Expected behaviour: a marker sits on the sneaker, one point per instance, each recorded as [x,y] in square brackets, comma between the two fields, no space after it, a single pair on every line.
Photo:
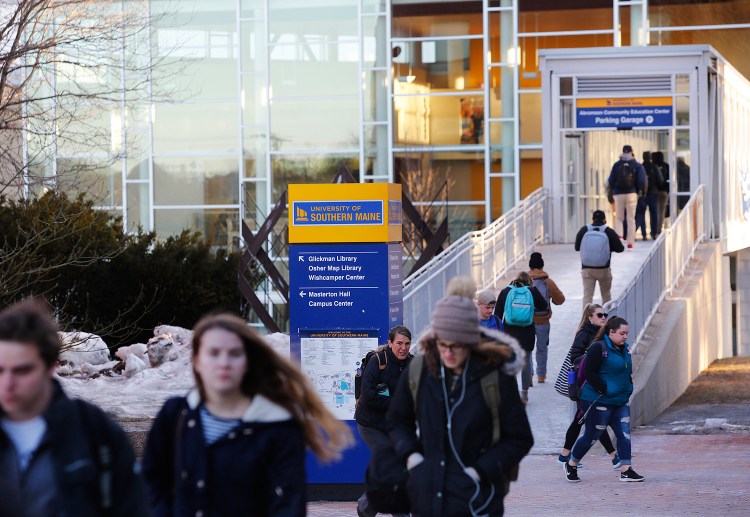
[629,476]
[616,463]
[564,459]
[541,378]
[525,396]
[571,473]
[630,246]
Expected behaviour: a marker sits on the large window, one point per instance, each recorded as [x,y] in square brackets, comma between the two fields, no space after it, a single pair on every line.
[196,181]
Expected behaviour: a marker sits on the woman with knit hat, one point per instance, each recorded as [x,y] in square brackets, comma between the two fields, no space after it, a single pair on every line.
[459,451]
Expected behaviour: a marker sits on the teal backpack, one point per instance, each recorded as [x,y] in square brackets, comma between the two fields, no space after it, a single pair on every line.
[519,307]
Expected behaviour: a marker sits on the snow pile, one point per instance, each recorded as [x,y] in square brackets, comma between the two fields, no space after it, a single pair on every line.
[711,425]
[136,386]
[81,347]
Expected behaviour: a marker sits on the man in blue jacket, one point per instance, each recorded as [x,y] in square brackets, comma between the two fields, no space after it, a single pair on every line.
[626,179]
[379,381]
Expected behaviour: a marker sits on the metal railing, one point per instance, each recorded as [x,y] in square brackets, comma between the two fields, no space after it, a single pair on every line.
[486,255]
[662,269]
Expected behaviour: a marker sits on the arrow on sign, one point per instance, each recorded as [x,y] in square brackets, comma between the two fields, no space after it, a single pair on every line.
[301,258]
[302,294]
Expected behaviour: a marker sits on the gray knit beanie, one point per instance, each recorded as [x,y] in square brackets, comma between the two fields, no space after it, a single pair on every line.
[455,317]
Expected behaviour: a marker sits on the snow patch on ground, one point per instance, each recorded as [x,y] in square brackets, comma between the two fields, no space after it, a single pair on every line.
[710,425]
[131,388]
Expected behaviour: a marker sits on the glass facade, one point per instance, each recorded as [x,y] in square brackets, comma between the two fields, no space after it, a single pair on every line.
[247,96]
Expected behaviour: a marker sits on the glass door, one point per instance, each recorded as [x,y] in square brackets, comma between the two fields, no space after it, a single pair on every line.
[572,178]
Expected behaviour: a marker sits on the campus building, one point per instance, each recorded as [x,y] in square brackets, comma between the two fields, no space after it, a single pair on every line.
[251,95]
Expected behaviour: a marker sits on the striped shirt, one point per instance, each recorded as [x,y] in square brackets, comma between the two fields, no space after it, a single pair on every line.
[215,427]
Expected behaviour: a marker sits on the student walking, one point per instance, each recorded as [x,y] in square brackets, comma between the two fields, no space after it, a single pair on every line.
[235,445]
[596,242]
[605,396]
[525,331]
[626,180]
[592,320]
[461,443]
[58,456]
[379,382]
[486,310]
[551,294]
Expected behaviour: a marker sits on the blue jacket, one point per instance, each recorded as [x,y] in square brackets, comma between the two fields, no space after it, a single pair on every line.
[640,179]
[258,469]
[610,376]
[372,407]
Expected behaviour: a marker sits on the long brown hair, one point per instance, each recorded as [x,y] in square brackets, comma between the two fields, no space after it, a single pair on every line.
[277,379]
[613,323]
[588,311]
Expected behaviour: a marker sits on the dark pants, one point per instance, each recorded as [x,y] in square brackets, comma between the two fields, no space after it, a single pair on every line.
[374,438]
[640,216]
[652,203]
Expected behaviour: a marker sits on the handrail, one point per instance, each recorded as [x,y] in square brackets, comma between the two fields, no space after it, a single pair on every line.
[663,268]
[486,255]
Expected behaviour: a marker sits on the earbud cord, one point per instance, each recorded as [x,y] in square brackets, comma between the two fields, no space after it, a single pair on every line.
[449,413]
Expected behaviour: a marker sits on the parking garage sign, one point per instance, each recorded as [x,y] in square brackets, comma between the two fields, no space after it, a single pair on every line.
[634,112]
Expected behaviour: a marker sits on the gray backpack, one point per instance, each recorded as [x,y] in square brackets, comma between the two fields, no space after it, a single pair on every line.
[595,250]
[541,286]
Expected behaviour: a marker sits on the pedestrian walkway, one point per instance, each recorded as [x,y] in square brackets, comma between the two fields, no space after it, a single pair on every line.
[685,474]
[548,411]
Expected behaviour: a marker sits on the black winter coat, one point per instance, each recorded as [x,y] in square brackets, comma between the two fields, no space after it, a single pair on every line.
[372,408]
[438,486]
[65,466]
[526,336]
[258,469]
[582,341]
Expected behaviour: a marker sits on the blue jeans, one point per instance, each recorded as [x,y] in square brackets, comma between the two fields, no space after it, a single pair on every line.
[542,342]
[597,419]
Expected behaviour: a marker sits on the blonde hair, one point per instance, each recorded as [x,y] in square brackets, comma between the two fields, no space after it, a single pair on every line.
[277,379]
[523,278]
[588,311]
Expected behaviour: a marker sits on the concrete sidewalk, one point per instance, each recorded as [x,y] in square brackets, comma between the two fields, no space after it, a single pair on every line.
[685,474]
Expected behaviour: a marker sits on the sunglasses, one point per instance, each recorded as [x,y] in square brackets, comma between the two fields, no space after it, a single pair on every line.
[601,314]
[454,347]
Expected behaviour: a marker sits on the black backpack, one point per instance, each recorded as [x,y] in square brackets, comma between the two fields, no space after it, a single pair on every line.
[655,178]
[382,358]
[625,177]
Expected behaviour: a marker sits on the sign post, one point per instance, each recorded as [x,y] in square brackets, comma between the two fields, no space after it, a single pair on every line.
[345,292]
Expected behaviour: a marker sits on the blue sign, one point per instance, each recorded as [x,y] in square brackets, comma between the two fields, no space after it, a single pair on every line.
[335,213]
[343,299]
[624,117]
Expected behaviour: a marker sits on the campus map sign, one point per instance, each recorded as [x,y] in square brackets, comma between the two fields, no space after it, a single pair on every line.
[345,293]
[639,112]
